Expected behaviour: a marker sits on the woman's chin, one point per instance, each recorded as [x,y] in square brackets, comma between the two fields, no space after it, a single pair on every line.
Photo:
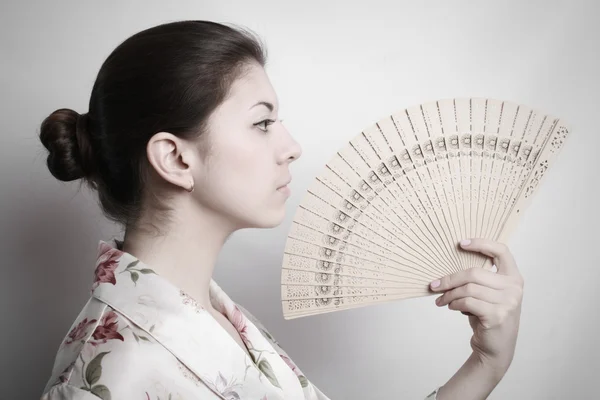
[271,219]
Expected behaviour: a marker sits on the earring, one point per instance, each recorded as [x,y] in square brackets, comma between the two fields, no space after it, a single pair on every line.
[191,189]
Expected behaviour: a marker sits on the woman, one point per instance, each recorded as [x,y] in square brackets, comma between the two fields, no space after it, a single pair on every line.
[183,144]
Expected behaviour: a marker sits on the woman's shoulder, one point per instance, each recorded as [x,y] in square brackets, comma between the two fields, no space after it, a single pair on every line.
[75,340]
[107,355]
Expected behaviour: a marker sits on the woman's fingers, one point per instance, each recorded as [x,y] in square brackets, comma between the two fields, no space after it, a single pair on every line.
[479,308]
[474,290]
[472,275]
[508,273]
[503,258]
[481,292]
[489,315]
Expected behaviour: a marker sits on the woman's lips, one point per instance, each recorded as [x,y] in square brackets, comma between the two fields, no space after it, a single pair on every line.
[285,190]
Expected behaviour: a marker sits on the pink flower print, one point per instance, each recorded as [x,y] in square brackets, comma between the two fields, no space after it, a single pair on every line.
[107,262]
[107,329]
[78,332]
[238,320]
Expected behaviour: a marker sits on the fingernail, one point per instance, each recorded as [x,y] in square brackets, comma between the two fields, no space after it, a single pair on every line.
[435,284]
[465,242]
[438,300]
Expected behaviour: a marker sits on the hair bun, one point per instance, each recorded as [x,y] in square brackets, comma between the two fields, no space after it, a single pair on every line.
[64,134]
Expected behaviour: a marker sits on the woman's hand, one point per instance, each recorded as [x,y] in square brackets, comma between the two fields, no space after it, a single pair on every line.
[491,299]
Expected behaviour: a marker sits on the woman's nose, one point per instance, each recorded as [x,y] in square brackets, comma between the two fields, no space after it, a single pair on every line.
[295,151]
[292,149]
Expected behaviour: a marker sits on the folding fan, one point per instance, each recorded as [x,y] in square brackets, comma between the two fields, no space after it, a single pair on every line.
[384,216]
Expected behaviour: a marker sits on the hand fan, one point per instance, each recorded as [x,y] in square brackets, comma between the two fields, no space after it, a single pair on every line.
[384,216]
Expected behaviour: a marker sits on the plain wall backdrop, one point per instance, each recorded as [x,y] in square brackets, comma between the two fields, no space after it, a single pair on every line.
[337,66]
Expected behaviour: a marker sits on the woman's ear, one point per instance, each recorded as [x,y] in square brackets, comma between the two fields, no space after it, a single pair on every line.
[172,158]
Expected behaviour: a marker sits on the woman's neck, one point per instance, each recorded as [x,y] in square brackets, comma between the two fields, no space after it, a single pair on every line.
[185,254]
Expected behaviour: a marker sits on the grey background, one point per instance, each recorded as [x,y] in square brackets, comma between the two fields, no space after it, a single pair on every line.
[337,68]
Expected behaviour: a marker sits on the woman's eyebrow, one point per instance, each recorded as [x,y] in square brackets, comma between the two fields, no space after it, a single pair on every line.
[264,103]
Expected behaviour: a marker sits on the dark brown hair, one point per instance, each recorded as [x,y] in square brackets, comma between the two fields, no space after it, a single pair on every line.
[167,78]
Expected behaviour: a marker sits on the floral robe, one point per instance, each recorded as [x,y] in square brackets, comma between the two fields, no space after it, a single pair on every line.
[140,337]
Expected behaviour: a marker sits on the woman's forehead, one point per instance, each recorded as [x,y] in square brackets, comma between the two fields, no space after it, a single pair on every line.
[252,89]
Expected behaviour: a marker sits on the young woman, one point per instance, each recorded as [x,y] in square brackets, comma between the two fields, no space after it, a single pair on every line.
[183,144]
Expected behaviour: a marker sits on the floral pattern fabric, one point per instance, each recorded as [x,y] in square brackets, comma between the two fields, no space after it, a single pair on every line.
[140,337]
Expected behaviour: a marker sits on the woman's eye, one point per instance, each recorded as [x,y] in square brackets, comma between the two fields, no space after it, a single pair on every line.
[264,124]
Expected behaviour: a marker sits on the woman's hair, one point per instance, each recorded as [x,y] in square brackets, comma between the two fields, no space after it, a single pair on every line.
[167,78]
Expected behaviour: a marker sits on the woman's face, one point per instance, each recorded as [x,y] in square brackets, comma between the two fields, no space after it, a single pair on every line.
[246,169]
